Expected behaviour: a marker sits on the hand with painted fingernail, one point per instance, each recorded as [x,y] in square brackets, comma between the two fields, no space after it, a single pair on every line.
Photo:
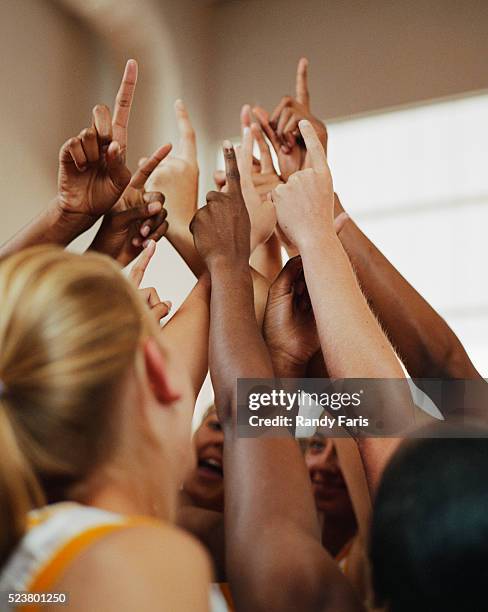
[159,308]
[137,218]
[92,170]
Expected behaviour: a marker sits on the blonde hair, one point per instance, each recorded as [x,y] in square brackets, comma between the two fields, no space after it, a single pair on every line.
[70,328]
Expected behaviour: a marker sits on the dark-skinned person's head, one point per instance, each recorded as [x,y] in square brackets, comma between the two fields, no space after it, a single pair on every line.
[205,483]
[429,533]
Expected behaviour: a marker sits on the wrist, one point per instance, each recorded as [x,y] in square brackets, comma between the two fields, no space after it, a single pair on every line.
[321,237]
[65,225]
[224,266]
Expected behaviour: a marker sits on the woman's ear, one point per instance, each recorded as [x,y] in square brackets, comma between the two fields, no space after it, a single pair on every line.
[157,372]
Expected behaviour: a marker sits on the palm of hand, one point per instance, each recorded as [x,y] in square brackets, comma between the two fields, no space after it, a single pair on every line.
[265,183]
[290,329]
[291,162]
[261,213]
[177,178]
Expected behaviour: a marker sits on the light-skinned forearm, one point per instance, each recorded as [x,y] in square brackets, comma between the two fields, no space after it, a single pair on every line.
[188,330]
[353,343]
[266,258]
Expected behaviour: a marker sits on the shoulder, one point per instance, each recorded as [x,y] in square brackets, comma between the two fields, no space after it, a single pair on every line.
[140,567]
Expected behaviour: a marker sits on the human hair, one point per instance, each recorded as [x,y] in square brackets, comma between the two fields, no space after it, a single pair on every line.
[69,331]
[429,531]
[208,411]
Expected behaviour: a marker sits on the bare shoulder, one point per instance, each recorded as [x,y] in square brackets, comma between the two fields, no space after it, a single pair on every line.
[148,566]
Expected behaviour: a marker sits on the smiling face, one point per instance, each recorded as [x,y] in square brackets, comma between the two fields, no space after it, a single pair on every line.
[329,487]
[205,484]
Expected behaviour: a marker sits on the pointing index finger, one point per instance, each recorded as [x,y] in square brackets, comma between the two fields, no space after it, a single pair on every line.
[137,272]
[231,168]
[123,103]
[314,146]
[302,82]
[187,147]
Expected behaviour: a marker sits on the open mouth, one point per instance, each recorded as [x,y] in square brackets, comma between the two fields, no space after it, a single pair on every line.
[210,468]
[331,485]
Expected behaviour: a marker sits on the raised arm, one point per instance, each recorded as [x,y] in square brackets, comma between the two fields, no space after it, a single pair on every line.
[281,127]
[188,330]
[426,344]
[268,497]
[352,341]
[92,176]
[177,178]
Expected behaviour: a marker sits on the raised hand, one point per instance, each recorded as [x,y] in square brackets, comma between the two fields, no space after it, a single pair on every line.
[281,126]
[305,204]
[92,172]
[158,308]
[289,325]
[261,211]
[222,229]
[177,178]
[119,234]
[264,175]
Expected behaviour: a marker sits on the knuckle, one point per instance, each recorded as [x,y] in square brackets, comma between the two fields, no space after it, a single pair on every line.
[123,100]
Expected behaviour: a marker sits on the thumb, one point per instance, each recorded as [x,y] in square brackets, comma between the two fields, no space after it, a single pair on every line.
[340,221]
[117,170]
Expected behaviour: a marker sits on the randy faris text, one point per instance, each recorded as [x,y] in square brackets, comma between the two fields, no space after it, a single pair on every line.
[303,421]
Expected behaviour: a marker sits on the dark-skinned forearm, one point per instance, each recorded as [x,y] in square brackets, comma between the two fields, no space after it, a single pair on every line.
[51,226]
[252,465]
[427,345]
[234,332]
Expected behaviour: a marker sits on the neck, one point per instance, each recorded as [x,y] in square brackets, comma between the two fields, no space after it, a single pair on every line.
[127,496]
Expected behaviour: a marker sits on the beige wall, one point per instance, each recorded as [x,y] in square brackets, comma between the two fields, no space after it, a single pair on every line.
[60,57]
[47,59]
[365,54]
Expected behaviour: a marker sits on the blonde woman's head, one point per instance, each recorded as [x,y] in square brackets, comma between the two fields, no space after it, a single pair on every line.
[86,385]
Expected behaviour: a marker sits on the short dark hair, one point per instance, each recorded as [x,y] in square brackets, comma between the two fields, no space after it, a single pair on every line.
[429,534]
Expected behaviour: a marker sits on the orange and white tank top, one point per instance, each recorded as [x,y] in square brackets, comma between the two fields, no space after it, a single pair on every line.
[56,535]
